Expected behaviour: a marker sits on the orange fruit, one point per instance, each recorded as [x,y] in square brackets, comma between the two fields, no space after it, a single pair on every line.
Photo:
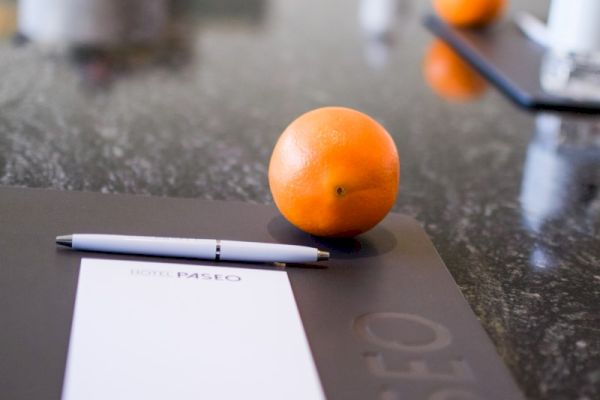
[8,19]
[334,172]
[469,13]
[449,76]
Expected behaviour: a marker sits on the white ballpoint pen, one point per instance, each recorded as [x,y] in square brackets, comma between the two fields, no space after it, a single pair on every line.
[207,249]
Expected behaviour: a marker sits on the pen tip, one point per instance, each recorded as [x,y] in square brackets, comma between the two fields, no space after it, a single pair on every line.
[322,255]
[66,240]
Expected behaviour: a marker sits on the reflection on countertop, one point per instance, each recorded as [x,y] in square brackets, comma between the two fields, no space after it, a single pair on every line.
[562,170]
[508,197]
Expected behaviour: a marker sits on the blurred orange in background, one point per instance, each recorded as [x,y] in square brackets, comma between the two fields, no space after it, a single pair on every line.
[469,13]
[8,18]
[449,75]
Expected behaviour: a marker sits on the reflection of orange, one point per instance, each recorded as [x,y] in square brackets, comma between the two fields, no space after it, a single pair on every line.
[334,172]
[468,13]
[8,19]
[449,76]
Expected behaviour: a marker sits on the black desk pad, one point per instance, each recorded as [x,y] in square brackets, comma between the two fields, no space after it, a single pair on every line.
[383,317]
[509,60]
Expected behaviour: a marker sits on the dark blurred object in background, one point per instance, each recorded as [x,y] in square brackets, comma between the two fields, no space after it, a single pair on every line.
[108,38]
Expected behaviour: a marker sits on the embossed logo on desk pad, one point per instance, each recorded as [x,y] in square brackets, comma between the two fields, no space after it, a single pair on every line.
[400,325]
[384,319]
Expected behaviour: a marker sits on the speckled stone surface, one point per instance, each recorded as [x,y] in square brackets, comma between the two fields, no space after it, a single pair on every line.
[510,198]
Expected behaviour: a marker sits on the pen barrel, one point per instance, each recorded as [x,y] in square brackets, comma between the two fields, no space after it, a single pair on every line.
[147,245]
[232,250]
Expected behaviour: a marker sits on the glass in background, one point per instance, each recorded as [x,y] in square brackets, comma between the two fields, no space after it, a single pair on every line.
[571,67]
[381,22]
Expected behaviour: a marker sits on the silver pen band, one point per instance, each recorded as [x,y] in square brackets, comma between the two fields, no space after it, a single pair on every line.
[218,250]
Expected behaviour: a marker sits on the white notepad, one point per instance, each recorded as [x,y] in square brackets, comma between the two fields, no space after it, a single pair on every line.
[169,331]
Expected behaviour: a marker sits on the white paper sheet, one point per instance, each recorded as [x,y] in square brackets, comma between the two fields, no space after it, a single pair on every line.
[169,331]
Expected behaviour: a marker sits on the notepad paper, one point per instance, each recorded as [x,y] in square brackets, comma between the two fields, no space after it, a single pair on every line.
[169,331]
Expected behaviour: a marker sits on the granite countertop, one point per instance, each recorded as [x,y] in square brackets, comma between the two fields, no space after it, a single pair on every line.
[510,198]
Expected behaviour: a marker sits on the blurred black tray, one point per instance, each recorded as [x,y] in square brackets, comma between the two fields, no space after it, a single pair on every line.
[510,61]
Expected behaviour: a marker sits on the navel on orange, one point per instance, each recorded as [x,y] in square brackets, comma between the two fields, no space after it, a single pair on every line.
[469,13]
[334,172]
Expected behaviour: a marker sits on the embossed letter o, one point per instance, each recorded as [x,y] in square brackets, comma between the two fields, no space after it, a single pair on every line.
[362,326]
